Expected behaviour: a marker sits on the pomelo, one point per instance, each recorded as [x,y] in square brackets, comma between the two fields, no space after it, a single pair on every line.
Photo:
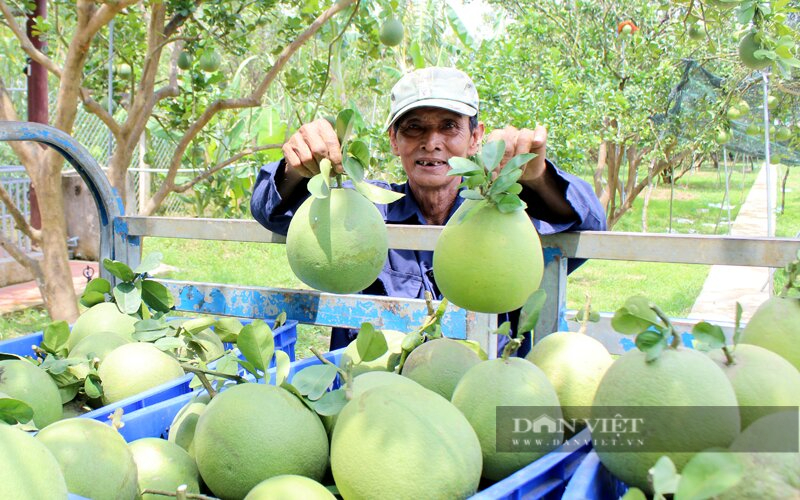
[402,441]
[439,364]
[289,487]
[762,381]
[506,382]
[391,32]
[368,380]
[488,262]
[337,244]
[134,368]
[20,379]
[181,430]
[574,363]
[774,326]
[667,385]
[251,432]
[94,458]
[162,465]
[103,317]
[97,345]
[184,60]
[387,362]
[210,61]
[748,46]
[27,468]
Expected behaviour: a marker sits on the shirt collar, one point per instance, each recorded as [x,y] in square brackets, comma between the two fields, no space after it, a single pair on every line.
[406,209]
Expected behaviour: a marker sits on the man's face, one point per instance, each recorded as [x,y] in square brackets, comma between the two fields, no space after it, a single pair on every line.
[426,138]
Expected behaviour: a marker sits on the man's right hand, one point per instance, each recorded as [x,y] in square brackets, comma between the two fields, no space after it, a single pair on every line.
[309,145]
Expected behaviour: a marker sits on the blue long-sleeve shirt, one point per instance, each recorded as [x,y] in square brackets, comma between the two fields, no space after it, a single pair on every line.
[409,273]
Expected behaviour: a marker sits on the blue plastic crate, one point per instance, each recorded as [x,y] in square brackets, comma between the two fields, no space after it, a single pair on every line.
[592,481]
[285,340]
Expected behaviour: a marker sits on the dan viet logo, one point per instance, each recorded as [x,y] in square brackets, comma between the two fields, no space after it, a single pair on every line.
[546,430]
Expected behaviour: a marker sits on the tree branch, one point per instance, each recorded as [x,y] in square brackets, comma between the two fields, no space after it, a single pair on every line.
[19,218]
[18,255]
[219,166]
[25,42]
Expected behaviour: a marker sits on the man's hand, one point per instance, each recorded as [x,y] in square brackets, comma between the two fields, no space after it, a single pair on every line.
[519,141]
[309,145]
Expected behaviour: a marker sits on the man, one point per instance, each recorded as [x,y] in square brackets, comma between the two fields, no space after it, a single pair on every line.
[433,117]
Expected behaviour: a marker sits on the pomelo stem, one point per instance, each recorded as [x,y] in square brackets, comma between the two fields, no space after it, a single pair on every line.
[175,494]
[728,356]
[511,348]
[325,361]
[676,339]
[586,310]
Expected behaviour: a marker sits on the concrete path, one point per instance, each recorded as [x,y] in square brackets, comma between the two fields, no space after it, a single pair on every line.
[726,285]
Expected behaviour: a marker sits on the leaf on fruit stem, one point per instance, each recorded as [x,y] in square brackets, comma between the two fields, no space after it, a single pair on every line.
[635,316]
[464,167]
[516,163]
[282,367]
[353,168]
[664,477]
[54,338]
[149,262]
[529,315]
[491,154]
[510,203]
[708,336]
[370,343]
[157,296]
[13,411]
[359,151]
[318,187]
[470,194]
[119,269]
[377,194]
[257,344]
[325,167]
[344,124]
[708,474]
[331,403]
[315,380]
[128,297]
[651,343]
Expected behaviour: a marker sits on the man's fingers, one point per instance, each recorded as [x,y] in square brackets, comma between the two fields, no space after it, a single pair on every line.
[299,157]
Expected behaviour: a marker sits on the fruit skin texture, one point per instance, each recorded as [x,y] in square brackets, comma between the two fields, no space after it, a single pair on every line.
[439,364]
[210,61]
[404,442]
[162,465]
[387,362]
[391,32]
[103,317]
[337,244]
[289,487]
[134,368]
[747,48]
[767,474]
[510,382]
[774,326]
[761,379]
[491,262]
[94,458]
[27,382]
[681,377]
[100,344]
[27,468]
[251,432]
[574,363]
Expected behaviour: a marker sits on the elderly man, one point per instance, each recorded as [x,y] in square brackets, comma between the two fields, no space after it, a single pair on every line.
[433,117]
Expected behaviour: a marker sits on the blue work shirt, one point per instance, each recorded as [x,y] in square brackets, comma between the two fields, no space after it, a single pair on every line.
[409,273]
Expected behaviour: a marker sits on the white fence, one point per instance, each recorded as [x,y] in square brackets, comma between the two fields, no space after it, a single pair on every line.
[16,182]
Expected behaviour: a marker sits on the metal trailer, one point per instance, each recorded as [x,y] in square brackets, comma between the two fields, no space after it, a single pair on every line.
[121,235]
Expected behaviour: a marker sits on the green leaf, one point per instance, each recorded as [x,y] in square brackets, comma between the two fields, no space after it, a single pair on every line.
[325,168]
[634,494]
[473,210]
[371,343]
[509,203]
[149,262]
[709,474]
[93,387]
[227,329]
[280,320]
[257,344]
[128,297]
[504,329]
[360,151]
[651,343]
[98,285]
[491,154]
[416,55]
[745,14]
[197,325]
[354,168]
[469,194]
[282,366]
[250,368]
[377,194]
[318,187]
[13,411]
[314,380]
[55,336]
[149,330]
[459,27]
[502,183]
[344,124]
[119,269]
[473,181]
[635,316]
[664,476]
[516,163]
[463,166]
[90,299]
[331,403]
[709,336]
[529,315]
[169,343]
[157,296]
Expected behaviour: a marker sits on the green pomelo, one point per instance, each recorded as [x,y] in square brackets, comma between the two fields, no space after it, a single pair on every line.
[181,430]
[391,32]
[103,317]
[208,346]
[289,487]
[768,474]
[27,468]
[94,458]
[783,133]
[776,326]
[574,363]
[696,31]
[368,380]
[762,381]
[489,261]
[677,379]
[337,244]
[723,4]
[439,364]
[251,432]
[387,362]
[27,382]
[184,60]
[506,382]
[164,466]
[401,441]
[98,345]
[752,129]
[210,61]
[747,52]
[134,368]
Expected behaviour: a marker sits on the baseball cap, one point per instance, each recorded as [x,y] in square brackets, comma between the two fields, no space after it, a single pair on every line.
[438,87]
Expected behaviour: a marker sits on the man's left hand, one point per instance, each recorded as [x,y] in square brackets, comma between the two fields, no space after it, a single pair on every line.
[519,141]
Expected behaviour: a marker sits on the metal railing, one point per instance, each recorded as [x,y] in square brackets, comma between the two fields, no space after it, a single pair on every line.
[15,181]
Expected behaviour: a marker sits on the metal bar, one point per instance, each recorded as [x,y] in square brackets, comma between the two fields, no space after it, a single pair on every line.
[641,247]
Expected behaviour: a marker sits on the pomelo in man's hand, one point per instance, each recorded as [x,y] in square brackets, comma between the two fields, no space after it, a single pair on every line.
[337,244]
[488,261]
[134,368]
[20,379]
[776,326]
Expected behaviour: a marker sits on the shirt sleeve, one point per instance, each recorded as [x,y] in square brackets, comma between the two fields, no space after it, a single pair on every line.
[267,205]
